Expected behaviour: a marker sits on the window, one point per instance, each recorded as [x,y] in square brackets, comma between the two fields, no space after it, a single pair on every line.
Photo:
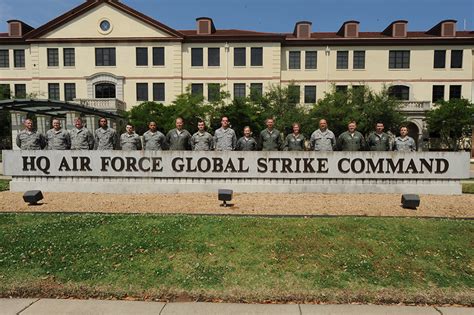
[359,59]
[294,60]
[142,92]
[158,92]
[196,57]
[53,57]
[256,91]
[20,90]
[439,59]
[399,59]
[4,58]
[239,90]
[454,91]
[456,59]
[19,58]
[105,57]
[311,60]
[105,90]
[294,94]
[142,56]
[53,91]
[239,57]
[197,89]
[213,92]
[438,93]
[69,56]
[69,91]
[342,59]
[399,92]
[310,94]
[256,56]
[341,89]
[213,57]
[5,92]
[158,56]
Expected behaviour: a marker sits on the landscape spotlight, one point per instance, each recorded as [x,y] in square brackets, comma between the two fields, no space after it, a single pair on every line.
[32,197]
[225,195]
[410,201]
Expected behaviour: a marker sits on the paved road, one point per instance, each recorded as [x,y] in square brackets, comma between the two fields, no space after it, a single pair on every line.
[50,307]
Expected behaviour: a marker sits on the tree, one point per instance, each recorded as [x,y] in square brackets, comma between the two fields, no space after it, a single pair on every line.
[5,121]
[452,120]
[282,103]
[142,114]
[361,105]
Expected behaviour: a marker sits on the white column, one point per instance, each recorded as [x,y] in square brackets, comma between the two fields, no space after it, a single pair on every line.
[91,122]
[18,118]
[43,123]
[70,117]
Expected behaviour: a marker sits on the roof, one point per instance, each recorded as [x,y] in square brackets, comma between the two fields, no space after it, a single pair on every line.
[89,5]
[237,35]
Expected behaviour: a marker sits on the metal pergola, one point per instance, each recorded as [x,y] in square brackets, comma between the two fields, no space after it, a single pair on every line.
[53,108]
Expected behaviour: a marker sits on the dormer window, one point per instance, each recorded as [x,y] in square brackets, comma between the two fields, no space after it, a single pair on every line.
[205,26]
[397,29]
[446,28]
[349,29]
[303,30]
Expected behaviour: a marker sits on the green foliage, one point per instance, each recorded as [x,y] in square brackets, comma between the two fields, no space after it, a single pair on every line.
[468,188]
[4,184]
[142,114]
[234,257]
[282,103]
[360,104]
[452,120]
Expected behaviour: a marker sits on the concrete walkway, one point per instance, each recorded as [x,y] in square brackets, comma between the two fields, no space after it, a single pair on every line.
[50,306]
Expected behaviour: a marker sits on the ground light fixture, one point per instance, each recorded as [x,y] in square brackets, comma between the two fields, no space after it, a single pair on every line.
[225,195]
[32,197]
[410,201]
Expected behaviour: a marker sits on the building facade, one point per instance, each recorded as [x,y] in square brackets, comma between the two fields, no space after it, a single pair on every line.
[110,56]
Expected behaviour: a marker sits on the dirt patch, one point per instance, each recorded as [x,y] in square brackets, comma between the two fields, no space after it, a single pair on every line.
[246,204]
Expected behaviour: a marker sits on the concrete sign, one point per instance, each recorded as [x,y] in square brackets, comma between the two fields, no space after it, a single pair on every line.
[178,167]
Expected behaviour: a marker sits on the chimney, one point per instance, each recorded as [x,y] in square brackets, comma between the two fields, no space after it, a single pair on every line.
[349,29]
[205,26]
[302,30]
[396,29]
[446,28]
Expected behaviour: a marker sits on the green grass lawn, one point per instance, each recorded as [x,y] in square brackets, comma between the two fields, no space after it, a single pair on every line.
[379,260]
[4,184]
[467,188]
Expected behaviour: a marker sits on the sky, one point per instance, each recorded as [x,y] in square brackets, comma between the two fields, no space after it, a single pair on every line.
[277,16]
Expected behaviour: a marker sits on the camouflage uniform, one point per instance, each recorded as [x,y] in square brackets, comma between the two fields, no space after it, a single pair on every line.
[202,141]
[270,140]
[406,144]
[105,139]
[293,143]
[30,140]
[323,140]
[154,140]
[58,139]
[378,142]
[130,142]
[246,144]
[225,139]
[351,142]
[178,140]
[81,139]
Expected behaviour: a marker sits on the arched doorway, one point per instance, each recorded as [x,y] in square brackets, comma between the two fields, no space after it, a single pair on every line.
[414,132]
[105,90]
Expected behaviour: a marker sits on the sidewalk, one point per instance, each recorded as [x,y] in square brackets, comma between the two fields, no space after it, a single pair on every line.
[50,306]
